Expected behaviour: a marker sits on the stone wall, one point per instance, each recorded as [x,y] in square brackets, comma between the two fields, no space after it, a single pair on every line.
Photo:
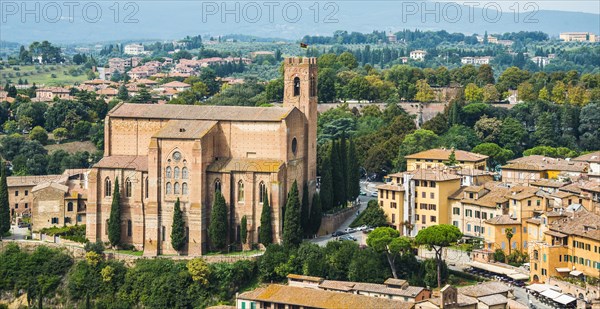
[332,222]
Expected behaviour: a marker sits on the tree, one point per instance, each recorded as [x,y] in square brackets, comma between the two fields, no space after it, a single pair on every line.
[315,214]
[509,236]
[39,134]
[199,270]
[499,255]
[424,92]
[490,94]
[497,155]
[326,187]
[123,93]
[452,159]
[292,229]
[177,228]
[305,212]
[343,156]
[114,221]
[60,134]
[473,93]
[388,241]
[526,92]
[266,230]
[353,178]
[348,60]
[337,175]
[435,238]
[488,129]
[589,127]
[559,93]
[417,141]
[4,207]
[512,135]
[374,215]
[218,227]
[244,229]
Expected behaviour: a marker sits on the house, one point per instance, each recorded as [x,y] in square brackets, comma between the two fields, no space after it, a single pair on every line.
[47,94]
[578,37]
[532,168]
[540,61]
[488,295]
[593,159]
[134,49]
[476,60]
[418,54]
[20,198]
[175,85]
[438,157]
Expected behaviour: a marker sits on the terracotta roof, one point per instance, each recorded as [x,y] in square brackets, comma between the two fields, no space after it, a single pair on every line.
[542,163]
[429,174]
[200,112]
[551,214]
[502,220]
[107,91]
[463,301]
[185,129]
[30,181]
[245,165]
[562,194]
[396,282]
[548,183]
[474,189]
[484,289]
[521,192]
[493,300]
[283,294]
[51,184]
[555,234]
[138,163]
[390,187]
[343,286]
[176,84]
[581,223]
[305,278]
[590,157]
[534,221]
[443,154]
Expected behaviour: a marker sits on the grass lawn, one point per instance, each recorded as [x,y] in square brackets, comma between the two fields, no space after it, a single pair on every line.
[128,252]
[237,253]
[72,147]
[42,75]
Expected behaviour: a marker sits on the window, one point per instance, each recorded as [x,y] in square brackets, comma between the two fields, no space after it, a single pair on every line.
[432,207]
[544,257]
[538,203]
[217,185]
[468,227]
[484,215]
[387,194]
[477,228]
[432,184]
[544,272]
[296,86]
[26,205]
[163,233]
[16,193]
[26,192]
[423,194]
[483,230]
[529,203]
[168,188]
[184,173]
[129,228]
[455,223]
[477,214]
[177,156]
[176,188]
[17,206]
[525,244]
[54,220]
[393,205]
[128,187]
[176,172]
[432,219]
[432,195]
[147,187]
[70,206]
[469,213]
[471,195]
[168,172]
[240,191]
[184,188]
[294,145]
[107,187]
[456,211]
[106,227]
[393,218]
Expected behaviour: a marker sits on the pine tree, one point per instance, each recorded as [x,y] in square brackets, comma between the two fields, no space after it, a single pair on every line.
[4,208]
[452,159]
[217,229]
[305,215]
[292,231]
[177,228]
[337,176]
[244,229]
[315,214]
[266,230]
[353,173]
[326,187]
[114,222]
[343,155]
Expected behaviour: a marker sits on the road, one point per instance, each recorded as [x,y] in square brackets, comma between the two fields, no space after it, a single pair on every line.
[18,232]
[368,187]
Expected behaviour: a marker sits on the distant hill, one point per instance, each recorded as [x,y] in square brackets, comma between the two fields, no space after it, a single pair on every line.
[170,20]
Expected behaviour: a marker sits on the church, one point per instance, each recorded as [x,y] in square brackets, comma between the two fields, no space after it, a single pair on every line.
[161,153]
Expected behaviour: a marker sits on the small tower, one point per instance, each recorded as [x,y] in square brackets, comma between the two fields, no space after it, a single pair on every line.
[300,90]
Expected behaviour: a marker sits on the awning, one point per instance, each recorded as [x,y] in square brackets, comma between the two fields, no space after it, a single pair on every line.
[540,287]
[576,273]
[492,268]
[563,269]
[565,299]
[518,276]
[552,294]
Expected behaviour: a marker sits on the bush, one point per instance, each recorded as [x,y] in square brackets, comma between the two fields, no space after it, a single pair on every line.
[499,256]
[97,247]
[74,232]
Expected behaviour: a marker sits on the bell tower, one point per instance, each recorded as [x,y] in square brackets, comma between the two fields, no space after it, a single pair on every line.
[300,90]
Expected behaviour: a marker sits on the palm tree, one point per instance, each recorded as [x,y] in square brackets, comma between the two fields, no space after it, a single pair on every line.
[509,236]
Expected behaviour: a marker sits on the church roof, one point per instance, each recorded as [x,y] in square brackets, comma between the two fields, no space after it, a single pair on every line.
[245,165]
[200,112]
[185,129]
[138,163]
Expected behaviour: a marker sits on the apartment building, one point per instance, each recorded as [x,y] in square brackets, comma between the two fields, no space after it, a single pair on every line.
[578,37]
[593,159]
[418,55]
[439,157]
[20,198]
[532,168]
[134,49]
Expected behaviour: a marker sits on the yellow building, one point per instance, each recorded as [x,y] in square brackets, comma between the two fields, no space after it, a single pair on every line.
[571,247]
[437,158]
[578,37]
[495,236]
[417,199]
[533,168]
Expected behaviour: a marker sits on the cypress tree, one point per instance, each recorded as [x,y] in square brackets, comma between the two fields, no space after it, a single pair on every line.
[337,176]
[343,155]
[114,222]
[177,228]
[315,214]
[244,229]
[217,229]
[305,215]
[4,208]
[266,230]
[353,173]
[326,188]
[292,230]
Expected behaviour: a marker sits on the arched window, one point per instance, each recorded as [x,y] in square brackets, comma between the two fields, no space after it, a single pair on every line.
[176,172]
[147,187]
[217,185]
[262,190]
[70,206]
[176,188]
[184,188]
[184,173]
[313,87]
[128,188]
[240,191]
[296,86]
[129,228]
[107,187]
[168,188]
[294,145]
[168,172]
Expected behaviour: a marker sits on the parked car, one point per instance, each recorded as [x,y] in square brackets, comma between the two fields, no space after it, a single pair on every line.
[348,237]
[374,194]
[362,228]
[363,193]
[350,230]
[338,233]
[367,231]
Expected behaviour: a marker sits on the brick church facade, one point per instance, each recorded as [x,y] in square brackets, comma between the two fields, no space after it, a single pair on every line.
[159,153]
